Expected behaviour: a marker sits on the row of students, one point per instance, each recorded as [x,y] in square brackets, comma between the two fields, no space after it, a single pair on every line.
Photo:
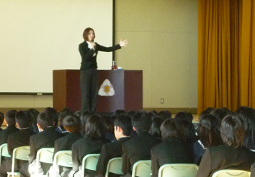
[177,135]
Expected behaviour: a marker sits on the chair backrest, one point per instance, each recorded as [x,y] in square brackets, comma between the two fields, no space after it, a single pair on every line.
[63,158]
[142,168]
[231,173]
[178,170]
[4,151]
[45,155]
[89,162]
[114,166]
[20,153]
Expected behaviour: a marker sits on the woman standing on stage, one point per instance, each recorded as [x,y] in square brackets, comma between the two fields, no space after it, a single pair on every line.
[88,74]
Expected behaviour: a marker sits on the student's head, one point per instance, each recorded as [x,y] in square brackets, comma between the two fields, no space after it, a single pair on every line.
[165,115]
[53,113]
[34,114]
[155,126]
[1,118]
[119,112]
[232,131]
[208,131]
[95,127]
[184,116]
[71,123]
[45,119]
[10,117]
[122,126]
[172,128]
[141,121]
[89,34]
[189,131]
[219,113]
[23,119]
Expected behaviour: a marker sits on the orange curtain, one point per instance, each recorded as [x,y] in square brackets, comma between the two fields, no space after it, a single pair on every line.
[225,54]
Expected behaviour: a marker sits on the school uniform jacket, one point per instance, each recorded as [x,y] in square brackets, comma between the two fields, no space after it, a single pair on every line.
[109,151]
[225,157]
[137,148]
[6,132]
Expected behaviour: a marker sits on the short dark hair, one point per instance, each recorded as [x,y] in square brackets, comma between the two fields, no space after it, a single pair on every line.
[124,122]
[23,118]
[53,113]
[219,113]
[45,119]
[86,33]
[208,131]
[1,118]
[165,115]
[155,126]
[10,117]
[184,116]
[141,121]
[71,123]
[232,130]
[172,128]
[95,127]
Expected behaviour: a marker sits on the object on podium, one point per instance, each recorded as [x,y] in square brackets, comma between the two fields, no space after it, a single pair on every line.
[118,89]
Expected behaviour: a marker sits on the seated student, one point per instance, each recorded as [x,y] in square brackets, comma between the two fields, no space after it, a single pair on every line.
[34,114]
[91,144]
[122,131]
[46,138]
[209,136]
[72,125]
[231,155]
[9,119]
[60,128]
[138,147]
[173,149]
[155,127]
[17,139]
[1,120]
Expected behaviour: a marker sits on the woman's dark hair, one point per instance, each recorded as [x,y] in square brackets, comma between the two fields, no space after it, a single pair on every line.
[232,130]
[95,127]
[208,131]
[155,126]
[172,128]
[109,123]
[71,123]
[248,116]
[189,131]
[220,113]
[184,116]
[86,33]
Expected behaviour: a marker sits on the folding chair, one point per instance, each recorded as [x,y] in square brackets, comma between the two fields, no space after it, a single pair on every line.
[44,155]
[231,173]
[63,158]
[178,170]
[4,152]
[114,166]
[89,162]
[142,168]
[19,153]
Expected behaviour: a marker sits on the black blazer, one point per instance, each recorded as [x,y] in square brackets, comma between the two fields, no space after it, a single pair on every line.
[19,138]
[85,146]
[89,56]
[170,151]
[109,151]
[6,132]
[66,142]
[225,157]
[137,148]
[44,139]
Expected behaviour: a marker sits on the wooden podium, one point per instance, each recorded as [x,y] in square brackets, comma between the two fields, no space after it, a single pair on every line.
[127,85]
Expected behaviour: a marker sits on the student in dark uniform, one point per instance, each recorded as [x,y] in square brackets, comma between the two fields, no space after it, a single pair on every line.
[72,124]
[138,147]
[46,138]
[17,139]
[10,121]
[231,155]
[173,149]
[91,144]
[88,75]
[122,131]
